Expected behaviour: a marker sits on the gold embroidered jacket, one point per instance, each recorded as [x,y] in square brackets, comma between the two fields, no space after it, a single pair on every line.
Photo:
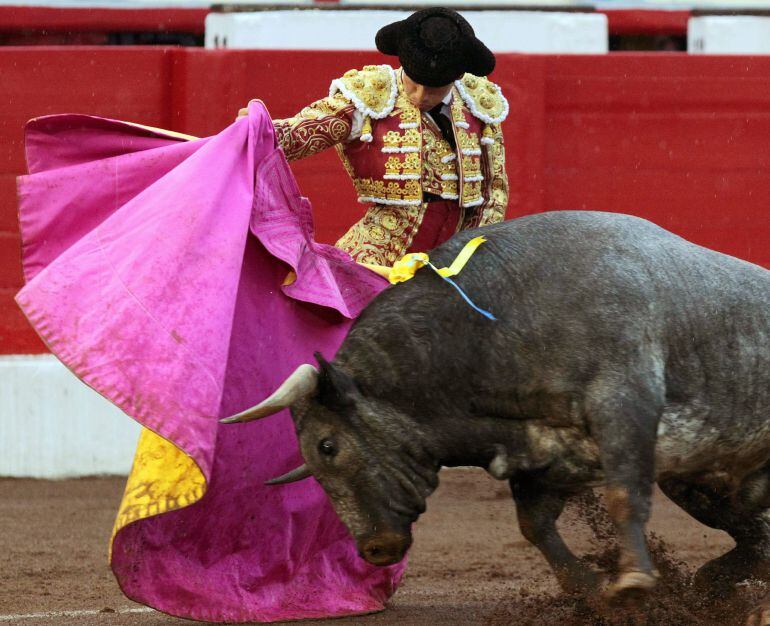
[400,154]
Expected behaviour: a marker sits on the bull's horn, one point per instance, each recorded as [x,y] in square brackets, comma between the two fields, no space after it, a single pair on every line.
[298,473]
[300,384]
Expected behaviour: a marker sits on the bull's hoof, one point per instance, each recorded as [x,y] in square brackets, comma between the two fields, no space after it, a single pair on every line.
[760,616]
[630,588]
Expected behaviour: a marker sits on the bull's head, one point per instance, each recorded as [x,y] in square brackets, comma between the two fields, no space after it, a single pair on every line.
[370,458]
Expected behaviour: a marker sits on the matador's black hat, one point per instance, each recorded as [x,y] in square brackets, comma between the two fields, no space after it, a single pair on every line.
[435,46]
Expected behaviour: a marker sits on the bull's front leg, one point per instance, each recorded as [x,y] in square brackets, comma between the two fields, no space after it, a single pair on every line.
[623,420]
[537,510]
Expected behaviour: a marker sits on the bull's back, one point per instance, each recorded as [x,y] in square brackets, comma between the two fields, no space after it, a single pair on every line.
[570,245]
[609,256]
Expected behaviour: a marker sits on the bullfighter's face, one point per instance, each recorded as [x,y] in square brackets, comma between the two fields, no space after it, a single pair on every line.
[422,96]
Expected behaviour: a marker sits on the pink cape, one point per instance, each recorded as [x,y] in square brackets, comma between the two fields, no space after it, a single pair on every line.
[154,269]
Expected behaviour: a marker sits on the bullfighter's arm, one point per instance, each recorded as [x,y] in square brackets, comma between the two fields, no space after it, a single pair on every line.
[318,126]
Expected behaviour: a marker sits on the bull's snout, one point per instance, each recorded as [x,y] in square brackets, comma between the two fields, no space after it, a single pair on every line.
[384,548]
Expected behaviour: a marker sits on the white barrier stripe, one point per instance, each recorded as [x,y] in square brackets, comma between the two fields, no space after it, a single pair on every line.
[88,436]
[49,614]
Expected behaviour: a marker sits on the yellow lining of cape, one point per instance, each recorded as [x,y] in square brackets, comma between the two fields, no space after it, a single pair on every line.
[163,478]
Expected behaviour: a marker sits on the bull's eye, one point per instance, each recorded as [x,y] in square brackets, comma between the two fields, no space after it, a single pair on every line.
[327,447]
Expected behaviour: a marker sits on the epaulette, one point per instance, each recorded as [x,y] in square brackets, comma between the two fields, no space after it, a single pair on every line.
[372,90]
[483,98]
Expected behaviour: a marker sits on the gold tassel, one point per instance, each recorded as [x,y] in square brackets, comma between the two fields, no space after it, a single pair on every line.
[488,135]
[366,129]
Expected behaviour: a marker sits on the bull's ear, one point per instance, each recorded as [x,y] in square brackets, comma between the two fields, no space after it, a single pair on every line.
[336,388]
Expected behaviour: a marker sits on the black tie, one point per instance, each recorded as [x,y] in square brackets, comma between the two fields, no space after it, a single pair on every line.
[442,121]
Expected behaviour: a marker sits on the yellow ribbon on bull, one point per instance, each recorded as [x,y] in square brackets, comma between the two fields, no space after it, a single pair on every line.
[405,268]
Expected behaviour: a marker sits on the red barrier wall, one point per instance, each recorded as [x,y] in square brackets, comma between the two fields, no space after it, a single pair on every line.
[21,19]
[679,139]
[126,84]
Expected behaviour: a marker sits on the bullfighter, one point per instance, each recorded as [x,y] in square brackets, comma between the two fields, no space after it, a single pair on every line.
[422,143]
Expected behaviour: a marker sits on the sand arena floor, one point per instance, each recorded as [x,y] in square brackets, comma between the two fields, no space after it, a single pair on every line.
[469,563]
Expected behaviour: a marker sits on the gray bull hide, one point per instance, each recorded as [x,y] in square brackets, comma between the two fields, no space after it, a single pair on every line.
[622,355]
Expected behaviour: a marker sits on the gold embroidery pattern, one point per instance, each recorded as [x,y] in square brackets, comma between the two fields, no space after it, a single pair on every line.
[408,113]
[371,89]
[471,165]
[406,166]
[332,105]
[397,192]
[396,142]
[467,141]
[469,154]
[435,150]
[382,235]
[471,192]
[340,148]
[494,210]
[496,184]
[392,139]
[319,126]
[302,138]
[483,98]
[457,108]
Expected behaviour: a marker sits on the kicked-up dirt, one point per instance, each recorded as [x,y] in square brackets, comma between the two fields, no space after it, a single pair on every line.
[469,563]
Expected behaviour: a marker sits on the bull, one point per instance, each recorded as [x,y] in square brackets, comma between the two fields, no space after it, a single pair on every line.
[621,355]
